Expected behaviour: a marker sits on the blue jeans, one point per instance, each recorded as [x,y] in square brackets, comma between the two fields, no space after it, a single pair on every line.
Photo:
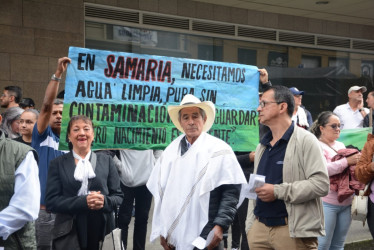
[337,222]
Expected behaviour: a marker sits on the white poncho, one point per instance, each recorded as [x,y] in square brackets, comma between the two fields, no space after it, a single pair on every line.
[174,176]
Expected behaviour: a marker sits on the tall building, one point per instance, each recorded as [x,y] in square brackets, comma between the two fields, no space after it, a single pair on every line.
[321,47]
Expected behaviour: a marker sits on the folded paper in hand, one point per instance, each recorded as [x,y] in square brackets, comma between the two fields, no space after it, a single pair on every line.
[255,181]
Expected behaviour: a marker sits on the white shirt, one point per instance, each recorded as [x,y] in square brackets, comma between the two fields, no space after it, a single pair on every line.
[25,202]
[137,165]
[348,117]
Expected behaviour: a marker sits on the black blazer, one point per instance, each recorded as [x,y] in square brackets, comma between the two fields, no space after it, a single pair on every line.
[62,190]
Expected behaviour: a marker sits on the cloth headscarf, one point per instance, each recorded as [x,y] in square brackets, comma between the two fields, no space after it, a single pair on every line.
[83,172]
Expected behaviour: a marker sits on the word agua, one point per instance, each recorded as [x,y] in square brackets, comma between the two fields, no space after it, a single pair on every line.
[139,92]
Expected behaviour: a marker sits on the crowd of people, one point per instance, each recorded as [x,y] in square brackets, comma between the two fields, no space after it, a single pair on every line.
[52,199]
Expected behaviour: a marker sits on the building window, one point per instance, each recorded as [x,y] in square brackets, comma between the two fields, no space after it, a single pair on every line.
[310,62]
[247,56]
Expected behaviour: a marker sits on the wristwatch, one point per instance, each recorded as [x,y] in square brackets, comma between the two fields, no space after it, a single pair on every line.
[360,110]
[55,78]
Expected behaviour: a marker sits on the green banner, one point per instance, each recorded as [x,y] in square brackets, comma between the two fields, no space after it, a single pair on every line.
[355,137]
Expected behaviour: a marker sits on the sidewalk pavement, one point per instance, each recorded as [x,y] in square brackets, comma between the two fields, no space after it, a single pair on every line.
[358,238]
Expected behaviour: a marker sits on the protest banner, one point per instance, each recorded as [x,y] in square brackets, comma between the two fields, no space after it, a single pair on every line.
[126,96]
[355,137]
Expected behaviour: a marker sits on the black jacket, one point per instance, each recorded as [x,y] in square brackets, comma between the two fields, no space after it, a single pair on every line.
[222,207]
[62,189]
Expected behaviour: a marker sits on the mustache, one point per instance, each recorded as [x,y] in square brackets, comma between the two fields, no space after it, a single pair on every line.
[192,126]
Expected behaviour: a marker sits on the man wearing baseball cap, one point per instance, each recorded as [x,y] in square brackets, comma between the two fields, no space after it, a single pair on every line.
[352,114]
[300,116]
[195,183]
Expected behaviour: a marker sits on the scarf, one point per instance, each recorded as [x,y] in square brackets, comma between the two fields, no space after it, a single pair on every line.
[83,172]
[300,118]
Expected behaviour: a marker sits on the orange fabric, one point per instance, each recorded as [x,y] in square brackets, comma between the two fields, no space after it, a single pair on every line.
[363,170]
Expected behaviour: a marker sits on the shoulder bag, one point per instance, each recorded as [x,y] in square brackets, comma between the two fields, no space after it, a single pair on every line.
[359,208]
[64,233]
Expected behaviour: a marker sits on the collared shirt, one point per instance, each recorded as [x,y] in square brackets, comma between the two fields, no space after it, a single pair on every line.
[24,205]
[185,145]
[349,118]
[271,166]
[188,143]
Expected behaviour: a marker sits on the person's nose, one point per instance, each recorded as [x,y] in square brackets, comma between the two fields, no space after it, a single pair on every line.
[259,108]
[191,121]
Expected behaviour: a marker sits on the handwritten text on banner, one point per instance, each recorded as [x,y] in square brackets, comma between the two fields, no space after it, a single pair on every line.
[126,95]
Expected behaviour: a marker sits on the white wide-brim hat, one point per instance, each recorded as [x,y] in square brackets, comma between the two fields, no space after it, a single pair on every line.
[192,101]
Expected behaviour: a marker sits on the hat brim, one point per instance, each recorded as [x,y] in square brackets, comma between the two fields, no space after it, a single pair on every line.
[207,106]
[363,88]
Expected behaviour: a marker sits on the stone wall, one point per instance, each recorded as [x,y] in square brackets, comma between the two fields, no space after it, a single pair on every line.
[33,35]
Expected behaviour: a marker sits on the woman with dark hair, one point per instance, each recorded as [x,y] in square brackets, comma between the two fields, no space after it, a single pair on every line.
[84,185]
[337,214]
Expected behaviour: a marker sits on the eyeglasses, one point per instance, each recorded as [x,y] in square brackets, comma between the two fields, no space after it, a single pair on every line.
[263,103]
[334,126]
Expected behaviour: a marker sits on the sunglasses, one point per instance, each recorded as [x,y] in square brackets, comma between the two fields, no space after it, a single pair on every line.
[334,126]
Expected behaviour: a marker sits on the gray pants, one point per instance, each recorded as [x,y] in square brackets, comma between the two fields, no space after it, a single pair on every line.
[43,229]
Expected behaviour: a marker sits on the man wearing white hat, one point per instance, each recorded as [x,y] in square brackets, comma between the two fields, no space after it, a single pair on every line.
[352,113]
[195,183]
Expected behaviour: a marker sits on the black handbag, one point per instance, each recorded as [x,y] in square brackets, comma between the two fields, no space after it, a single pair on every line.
[64,233]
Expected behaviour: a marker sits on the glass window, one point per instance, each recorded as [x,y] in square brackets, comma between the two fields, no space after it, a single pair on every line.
[310,62]
[247,56]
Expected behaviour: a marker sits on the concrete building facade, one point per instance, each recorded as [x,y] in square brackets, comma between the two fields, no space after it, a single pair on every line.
[35,33]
